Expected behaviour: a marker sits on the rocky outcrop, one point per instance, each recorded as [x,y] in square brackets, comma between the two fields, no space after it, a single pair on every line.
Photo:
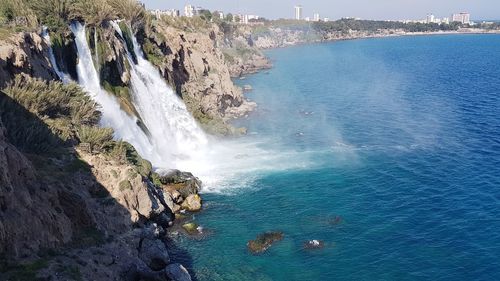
[193,63]
[24,53]
[100,219]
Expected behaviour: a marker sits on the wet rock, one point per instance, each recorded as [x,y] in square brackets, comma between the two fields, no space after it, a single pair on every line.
[191,227]
[264,241]
[314,244]
[177,272]
[182,182]
[153,253]
[192,203]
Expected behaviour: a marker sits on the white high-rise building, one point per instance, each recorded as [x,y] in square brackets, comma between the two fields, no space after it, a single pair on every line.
[189,11]
[430,18]
[463,18]
[298,12]
[316,17]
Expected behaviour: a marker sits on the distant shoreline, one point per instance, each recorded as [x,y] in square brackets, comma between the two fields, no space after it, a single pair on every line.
[400,34]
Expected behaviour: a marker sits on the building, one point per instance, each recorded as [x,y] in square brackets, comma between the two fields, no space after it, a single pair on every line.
[316,17]
[430,18]
[463,18]
[189,11]
[219,14]
[171,13]
[298,12]
[326,19]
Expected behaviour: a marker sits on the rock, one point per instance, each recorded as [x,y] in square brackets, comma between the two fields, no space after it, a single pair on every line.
[154,254]
[136,270]
[191,227]
[182,182]
[192,203]
[264,241]
[176,196]
[177,272]
[314,244]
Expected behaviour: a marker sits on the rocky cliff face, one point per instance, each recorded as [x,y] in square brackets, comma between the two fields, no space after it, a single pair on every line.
[90,208]
[193,63]
[24,53]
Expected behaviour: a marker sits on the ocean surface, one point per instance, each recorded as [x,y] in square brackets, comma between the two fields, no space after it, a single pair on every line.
[393,154]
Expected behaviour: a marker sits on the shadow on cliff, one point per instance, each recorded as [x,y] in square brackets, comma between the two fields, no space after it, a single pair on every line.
[50,201]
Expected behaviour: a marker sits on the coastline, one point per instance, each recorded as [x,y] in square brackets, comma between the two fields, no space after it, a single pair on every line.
[383,35]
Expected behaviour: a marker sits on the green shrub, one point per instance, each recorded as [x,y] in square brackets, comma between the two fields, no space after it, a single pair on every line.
[125,185]
[43,115]
[97,138]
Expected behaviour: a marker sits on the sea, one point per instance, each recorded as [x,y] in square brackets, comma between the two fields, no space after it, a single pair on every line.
[386,150]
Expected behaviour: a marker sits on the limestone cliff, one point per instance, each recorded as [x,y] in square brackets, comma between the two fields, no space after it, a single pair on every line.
[24,53]
[193,63]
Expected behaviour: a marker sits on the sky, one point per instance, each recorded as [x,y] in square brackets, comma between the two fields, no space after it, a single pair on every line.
[335,9]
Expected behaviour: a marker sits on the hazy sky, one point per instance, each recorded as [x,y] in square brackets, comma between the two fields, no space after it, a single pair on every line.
[367,9]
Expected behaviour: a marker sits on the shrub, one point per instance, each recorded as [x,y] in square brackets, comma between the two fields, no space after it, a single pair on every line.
[92,12]
[42,115]
[97,138]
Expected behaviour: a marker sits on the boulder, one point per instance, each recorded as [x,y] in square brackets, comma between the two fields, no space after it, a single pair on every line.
[177,272]
[182,182]
[264,241]
[154,254]
[191,227]
[192,203]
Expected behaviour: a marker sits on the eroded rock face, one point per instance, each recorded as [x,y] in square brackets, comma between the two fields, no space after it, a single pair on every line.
[195,66]
[31,213]
[154,254]
[24,53]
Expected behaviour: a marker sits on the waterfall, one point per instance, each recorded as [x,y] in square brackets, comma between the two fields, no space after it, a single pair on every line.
[52,58]
[173,130]
[113,116]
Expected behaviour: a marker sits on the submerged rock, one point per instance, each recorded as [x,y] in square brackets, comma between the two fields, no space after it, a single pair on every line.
[264,241]
[177,272]
[191,227]
[314,244]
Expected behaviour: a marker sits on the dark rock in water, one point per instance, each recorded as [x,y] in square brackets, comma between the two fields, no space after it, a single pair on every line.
[153,253]
[177,272]
[183,182]
[191,228]
[336,220]
[264,241]
[314,245]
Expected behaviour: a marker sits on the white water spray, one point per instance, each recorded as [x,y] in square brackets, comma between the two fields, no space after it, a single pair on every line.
[52,58]
[113,116]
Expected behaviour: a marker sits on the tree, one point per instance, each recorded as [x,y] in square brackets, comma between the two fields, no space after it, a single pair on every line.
[206,14]
[229,17]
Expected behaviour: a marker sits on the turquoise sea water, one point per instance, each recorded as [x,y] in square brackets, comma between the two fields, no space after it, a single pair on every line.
[400,138]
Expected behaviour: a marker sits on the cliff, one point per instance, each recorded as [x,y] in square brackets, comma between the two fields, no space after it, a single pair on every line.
[24,53]
[194,65]
[72,208]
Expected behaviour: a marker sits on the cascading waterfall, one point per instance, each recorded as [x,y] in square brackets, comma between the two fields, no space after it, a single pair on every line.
[52,58]
[113,116]
[172,128]
[174,139]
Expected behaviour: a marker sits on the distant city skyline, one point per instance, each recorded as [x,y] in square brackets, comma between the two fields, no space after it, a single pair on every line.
[334,9]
